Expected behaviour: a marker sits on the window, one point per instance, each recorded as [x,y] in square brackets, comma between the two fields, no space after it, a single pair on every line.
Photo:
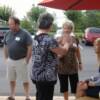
[95,30]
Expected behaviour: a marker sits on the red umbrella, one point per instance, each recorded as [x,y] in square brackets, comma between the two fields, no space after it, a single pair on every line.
[72,4]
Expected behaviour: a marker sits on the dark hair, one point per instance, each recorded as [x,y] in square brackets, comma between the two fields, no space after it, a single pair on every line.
[16,20]
[45,20]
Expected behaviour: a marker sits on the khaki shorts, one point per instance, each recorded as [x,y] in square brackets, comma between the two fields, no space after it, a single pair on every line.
[17,69]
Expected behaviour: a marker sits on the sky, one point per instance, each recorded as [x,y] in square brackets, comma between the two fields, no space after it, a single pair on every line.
[21,7]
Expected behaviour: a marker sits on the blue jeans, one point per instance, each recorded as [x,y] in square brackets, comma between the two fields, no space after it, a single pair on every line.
[93,91]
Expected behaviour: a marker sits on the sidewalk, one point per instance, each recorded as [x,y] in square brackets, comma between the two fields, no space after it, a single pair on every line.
[55,98]
[33,98]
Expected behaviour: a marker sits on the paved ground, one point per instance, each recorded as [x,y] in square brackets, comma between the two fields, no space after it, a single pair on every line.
[33,98]
[55,98]
[87,98]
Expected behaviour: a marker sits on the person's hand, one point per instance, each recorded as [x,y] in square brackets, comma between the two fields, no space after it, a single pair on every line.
[59,39]
[83,85]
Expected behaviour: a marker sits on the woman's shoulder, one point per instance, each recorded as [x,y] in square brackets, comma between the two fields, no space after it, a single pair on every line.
[75,40]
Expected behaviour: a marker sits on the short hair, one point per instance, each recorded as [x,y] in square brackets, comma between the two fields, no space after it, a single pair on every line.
[16,20]
[45,20]
[69,23]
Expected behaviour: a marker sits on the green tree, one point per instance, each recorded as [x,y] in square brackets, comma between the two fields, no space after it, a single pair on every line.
[34,13]
[26,24]
[5,12]
[76,17]
[92,18]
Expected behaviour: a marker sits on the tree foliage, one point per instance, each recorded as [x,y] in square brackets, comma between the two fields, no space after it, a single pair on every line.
[26,24]
[84,19]
[34,13]
[76,17]
[5,12]
[92,18]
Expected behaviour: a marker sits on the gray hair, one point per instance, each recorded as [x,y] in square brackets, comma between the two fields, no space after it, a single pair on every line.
[70,24]
[45,21]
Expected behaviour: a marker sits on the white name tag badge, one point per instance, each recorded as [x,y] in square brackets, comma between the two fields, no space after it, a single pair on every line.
[17,38]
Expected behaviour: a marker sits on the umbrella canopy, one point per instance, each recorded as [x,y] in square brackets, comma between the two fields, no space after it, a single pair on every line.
[72,4]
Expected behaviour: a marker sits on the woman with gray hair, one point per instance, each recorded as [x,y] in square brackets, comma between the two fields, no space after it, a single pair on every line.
[44,59]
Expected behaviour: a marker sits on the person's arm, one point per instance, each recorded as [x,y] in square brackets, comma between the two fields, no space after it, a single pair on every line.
[5,52]
[29,42]
[29,53]
[54,46]
[79,57]
[5,46]
[61,50]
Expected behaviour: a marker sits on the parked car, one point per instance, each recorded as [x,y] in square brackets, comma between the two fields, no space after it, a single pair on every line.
[3,30]
[91,33]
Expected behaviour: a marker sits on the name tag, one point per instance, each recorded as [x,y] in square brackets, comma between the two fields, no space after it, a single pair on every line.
[17,38]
